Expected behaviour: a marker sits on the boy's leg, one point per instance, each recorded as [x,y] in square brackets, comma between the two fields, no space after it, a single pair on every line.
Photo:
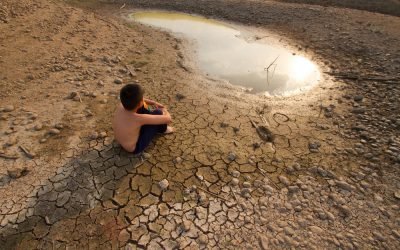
[148,132]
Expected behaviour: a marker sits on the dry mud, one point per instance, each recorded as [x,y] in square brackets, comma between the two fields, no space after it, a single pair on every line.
[329,180]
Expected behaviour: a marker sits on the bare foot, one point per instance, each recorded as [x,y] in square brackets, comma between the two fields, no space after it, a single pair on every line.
[169,130]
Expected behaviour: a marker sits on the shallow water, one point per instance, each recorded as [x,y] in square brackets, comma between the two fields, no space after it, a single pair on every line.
[223,52]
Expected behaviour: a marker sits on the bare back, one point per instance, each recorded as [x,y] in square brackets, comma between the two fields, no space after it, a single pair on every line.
[127,124]
[126,127]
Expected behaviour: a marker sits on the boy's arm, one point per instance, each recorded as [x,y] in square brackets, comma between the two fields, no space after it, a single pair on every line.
[155,119]
[151,102]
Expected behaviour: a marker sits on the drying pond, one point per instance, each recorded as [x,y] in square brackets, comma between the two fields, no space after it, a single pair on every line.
[222,51]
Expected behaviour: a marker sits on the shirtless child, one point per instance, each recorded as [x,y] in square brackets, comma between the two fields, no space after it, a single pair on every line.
[134,124]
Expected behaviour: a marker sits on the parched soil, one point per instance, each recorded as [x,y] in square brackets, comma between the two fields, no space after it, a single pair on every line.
[390,7]
[330,178]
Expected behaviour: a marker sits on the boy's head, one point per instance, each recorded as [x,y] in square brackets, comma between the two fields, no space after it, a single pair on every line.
[131,96]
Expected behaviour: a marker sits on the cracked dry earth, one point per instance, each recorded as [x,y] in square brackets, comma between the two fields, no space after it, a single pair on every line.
[328,181]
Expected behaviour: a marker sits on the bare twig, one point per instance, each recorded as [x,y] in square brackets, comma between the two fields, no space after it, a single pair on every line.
[234,195]
[10,157]
[269,66]
[123,6]
[262,171]
[213,194]
[27,152]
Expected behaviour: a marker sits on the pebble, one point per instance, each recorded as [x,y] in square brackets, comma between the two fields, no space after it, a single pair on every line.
[235,181]
[344,185]
[285,181]
[246,184]
[186,225]
[378,236]
[231,156]
[235,173]
[59,126]
[316,230]
[397,194]
[8,108]
[38,127]
[345,210]
[203,239]
[17,173]
[93,135]
[358,98]
[178,160]
[118,81]
[54,131]
[163,184]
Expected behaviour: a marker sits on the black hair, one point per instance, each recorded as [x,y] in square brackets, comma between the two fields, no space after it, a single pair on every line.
[131,95]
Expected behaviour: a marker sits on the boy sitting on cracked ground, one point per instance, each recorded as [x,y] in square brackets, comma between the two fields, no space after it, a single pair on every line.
[135,122]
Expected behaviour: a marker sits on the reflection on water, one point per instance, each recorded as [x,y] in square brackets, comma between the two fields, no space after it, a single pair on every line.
[223,53]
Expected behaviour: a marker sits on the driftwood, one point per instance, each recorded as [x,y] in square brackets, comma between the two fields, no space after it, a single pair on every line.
[264,132]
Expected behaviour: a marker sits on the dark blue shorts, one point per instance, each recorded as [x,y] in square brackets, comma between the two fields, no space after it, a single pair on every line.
[148,132]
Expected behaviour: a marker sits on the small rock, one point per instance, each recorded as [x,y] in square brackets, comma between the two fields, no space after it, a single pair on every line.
[203,239]
[378,236]
[178,160]
[358,98]
[186,225]
[245,191]
[38,127]
[231,156]
[345,210]
[224,125]
[235,181]
[146,155]
[163,184]
[285,181]
[54,131]
[8,108]
[246,184]
[344,185]
[103,134]
[93,135]
[17,173]
[235,173]
[179,96]
[316,230]
[118,81]
[59,126]
[258,183]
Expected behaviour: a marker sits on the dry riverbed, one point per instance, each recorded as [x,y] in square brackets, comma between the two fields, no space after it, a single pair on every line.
[328,180]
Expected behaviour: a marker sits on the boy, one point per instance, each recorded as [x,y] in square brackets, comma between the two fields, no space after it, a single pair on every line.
[134,124]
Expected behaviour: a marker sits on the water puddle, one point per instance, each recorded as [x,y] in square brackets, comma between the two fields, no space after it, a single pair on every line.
[223,52]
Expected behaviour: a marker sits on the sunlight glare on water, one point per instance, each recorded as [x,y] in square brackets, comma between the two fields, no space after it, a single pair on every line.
[222,52]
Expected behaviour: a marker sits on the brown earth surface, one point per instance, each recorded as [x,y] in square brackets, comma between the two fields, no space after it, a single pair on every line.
[329,180]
